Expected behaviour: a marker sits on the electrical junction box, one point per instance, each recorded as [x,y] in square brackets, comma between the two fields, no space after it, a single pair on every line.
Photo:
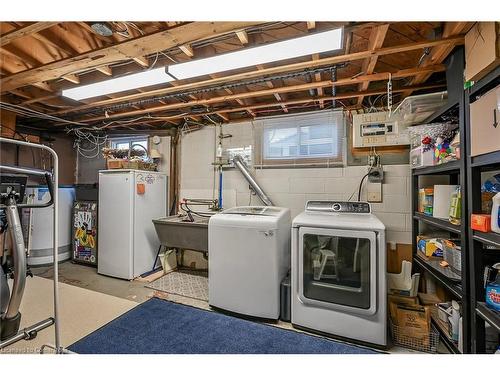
[376,129]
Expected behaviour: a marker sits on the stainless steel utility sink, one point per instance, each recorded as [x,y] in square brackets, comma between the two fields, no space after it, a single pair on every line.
[173,232]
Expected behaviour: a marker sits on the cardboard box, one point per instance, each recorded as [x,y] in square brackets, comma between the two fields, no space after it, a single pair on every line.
[428,299]
[484,114]
[412,320]
[482,50]
[402,300]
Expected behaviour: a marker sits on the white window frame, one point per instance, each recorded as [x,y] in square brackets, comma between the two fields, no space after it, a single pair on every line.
[301,120]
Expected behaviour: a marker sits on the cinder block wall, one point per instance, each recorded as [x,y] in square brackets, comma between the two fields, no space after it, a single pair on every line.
[291,187]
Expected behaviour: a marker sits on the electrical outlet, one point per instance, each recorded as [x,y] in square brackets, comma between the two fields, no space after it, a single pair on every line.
[374,192]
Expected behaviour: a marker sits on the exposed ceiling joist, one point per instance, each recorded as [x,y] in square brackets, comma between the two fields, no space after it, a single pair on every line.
[284,69]
[142,61]
[225,98]
[439,53]
[133,48]
[242,36]
[32,28]
[348,95]
[73,78]
[376,41]
[105,70]
[187,50]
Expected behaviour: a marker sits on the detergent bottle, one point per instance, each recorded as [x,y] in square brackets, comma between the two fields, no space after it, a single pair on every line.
[495,214]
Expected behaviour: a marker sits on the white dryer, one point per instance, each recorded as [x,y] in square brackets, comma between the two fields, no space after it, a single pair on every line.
[249,255]
[339,271]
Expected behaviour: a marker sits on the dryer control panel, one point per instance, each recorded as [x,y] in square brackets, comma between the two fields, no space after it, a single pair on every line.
[335,206]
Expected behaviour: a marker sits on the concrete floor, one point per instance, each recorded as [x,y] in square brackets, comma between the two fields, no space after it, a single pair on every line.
[87,277]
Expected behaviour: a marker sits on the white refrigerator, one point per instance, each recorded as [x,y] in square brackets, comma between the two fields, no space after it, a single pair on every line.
[128,201]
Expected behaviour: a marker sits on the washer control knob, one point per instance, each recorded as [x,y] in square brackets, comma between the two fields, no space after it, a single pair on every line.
[336,207]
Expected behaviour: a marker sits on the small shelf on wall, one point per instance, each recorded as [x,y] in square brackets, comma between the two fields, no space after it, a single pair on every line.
[434,270]
[439,223]
[489,315]
[446,168]
[490,238]
[490,160]
[445,338]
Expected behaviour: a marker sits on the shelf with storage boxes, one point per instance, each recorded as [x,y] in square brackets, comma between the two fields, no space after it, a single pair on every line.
[438,201]
[483,184]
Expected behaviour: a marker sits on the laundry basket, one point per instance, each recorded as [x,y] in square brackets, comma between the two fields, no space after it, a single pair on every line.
[426,344]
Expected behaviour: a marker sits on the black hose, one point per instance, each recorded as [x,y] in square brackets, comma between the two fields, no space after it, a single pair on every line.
[361,184]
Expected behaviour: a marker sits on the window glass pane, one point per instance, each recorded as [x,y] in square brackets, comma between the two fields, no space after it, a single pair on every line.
[280,143]
[294,139]
[143,143]
[120,145]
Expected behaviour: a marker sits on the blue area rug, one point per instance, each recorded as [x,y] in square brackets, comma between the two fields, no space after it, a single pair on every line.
[162,327]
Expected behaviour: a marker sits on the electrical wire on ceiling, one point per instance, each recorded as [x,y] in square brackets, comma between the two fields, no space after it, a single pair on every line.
[182,94]
[31,113]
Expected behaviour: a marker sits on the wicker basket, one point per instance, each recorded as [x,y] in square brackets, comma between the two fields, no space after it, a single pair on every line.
[114,163]
[427,344]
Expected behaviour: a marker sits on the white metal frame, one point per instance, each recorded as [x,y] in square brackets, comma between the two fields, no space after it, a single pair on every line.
[55,176]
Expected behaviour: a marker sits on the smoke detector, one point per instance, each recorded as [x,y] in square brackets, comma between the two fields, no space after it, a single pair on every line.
[102,28]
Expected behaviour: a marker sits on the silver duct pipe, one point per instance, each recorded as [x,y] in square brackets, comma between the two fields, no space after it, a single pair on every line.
[240,164]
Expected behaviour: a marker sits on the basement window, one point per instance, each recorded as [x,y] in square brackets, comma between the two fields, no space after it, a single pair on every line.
[314,139]
[127,143]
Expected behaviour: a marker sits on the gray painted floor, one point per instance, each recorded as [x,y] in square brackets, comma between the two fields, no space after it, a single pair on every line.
[87,277]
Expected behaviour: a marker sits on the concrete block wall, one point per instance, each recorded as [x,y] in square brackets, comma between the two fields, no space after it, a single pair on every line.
[292,187]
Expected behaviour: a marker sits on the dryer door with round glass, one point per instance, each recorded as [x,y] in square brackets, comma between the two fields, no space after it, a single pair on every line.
[337,269]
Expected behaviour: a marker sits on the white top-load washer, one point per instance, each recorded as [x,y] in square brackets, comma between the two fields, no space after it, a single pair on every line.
[249,255]
[338,277]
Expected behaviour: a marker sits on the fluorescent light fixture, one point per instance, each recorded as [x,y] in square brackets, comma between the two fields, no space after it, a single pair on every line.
[297,47]
[109,86]
[302,46]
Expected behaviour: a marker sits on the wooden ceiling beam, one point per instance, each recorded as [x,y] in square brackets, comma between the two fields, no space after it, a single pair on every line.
[242,36]
[281,69]
[187,49]
[43,85]
[32,28]
[439,53]
[346,81]
[141,61]
[20,55]
[311,25]
[105,70]
[349,95]
[276,95]
[317,78]
[73,78]
[377,37]
[136,47]
[225,98]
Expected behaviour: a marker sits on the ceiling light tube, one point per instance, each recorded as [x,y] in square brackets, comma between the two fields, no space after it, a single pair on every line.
[291,48]
[297,47]
[109,86]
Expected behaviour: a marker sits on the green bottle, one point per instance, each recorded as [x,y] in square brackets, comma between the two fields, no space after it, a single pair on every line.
[455,214]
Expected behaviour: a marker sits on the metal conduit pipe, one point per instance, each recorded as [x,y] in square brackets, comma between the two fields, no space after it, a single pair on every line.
[240,164]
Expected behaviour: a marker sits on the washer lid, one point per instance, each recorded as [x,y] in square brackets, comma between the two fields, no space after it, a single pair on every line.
[255,210]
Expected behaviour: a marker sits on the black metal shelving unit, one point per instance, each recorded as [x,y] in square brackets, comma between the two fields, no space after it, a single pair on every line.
[457,174]
[484,247]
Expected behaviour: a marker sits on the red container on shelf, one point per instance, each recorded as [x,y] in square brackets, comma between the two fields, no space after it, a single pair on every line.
[480,222]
